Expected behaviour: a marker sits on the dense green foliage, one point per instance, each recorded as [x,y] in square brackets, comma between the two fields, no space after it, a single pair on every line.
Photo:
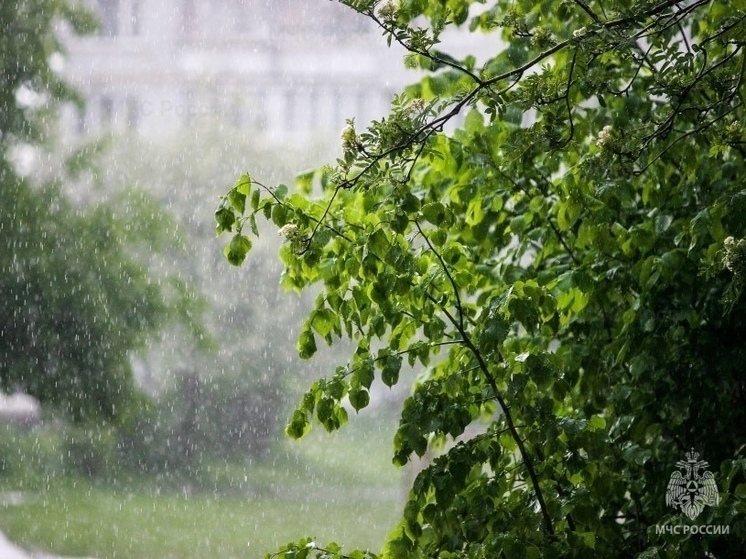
[68,322]
[77,295]
[564,260]
[27,43]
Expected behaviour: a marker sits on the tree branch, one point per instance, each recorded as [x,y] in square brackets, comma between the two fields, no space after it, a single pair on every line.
[587,9]
[525,456]
[447,272]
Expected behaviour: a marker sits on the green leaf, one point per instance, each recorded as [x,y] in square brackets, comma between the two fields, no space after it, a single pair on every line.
[324,409]
[438,238]
[359,398]
[410,203]
[279,215]
[434,212]
[322,321]
[306,344]
[243,185]
[364,375]
[280,192]
[252,225]
[237,201]
[298,425]
[474,212]
[597,423]
[237,250]
[572,426]
[390,370]
[304,181]
[225,219]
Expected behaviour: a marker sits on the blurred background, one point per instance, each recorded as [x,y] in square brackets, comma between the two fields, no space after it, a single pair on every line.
[180,98]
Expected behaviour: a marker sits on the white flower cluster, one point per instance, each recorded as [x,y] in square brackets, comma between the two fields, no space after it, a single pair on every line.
[416,106]
[387,10]
[349,136]
[605,137]
[735,254]
[289,231]
[579,32]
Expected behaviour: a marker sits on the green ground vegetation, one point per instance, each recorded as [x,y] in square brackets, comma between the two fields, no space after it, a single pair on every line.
[220,509]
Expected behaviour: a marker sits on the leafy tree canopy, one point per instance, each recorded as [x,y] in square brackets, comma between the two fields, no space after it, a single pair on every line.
[29,87]
[555,236]
[77,298]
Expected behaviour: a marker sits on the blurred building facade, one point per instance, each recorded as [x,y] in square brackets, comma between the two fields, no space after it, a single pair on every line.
[286,70]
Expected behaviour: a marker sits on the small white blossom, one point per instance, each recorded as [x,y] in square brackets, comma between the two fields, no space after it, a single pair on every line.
[579,32]
[289,231]
[349,136]
[387,10]
[416,106]
[605,136]
[735,254]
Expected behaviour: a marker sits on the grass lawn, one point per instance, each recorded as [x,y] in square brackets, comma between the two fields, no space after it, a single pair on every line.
[102,523]
[340,487]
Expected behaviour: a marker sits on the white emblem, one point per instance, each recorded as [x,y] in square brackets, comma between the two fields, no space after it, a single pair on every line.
[688,489]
